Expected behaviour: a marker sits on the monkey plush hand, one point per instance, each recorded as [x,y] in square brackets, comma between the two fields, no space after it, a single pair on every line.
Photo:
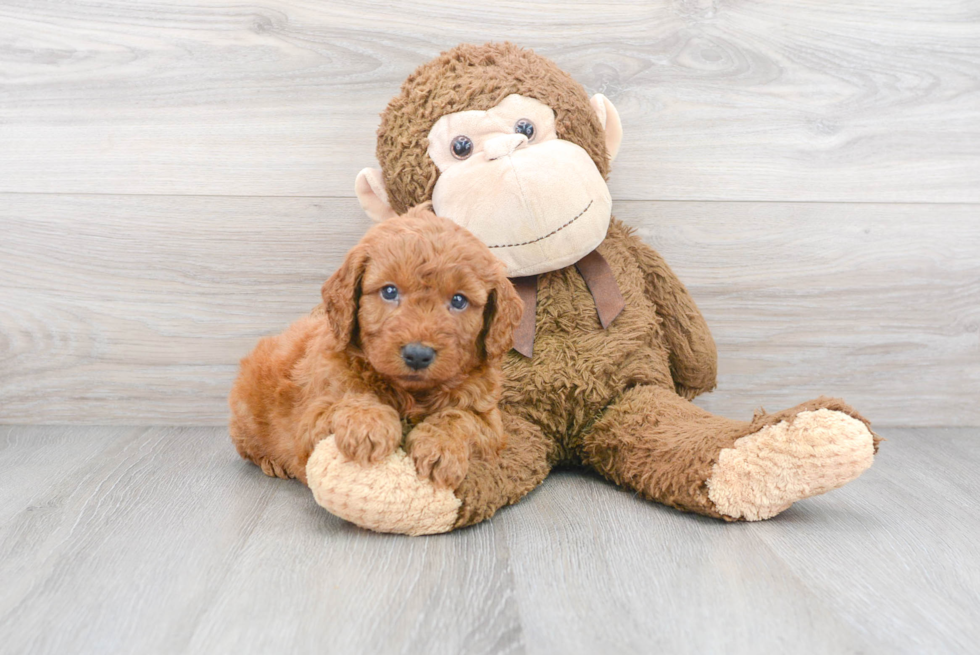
[611,348]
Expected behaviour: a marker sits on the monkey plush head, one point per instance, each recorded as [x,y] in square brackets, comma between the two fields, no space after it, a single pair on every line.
[504,143]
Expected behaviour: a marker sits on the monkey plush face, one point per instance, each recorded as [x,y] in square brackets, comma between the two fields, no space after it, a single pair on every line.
[537,201]
[504,143]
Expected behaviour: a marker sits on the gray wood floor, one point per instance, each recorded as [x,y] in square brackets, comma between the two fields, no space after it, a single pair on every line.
[160,540]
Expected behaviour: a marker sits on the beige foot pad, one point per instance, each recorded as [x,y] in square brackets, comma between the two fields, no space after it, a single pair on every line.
[385,497]
[767,471]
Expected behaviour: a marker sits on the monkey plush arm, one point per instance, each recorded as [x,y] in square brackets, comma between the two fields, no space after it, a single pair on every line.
[392,497]
[693,356]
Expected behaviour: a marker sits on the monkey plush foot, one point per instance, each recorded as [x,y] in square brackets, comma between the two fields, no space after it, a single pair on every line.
[810,454]
[384,497]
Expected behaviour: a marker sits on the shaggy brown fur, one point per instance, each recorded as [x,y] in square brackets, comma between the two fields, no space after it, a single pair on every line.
[343,373]
[612,399]
[616,399]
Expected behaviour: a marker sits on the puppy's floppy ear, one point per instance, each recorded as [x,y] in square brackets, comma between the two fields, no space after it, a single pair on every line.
[501,316]
[342,294]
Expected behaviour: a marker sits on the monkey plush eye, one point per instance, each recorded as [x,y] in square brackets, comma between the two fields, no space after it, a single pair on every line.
[389,292]
[525,127]
[459,302]
[462,147]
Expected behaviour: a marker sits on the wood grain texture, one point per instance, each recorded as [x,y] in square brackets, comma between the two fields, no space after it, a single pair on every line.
[124,309]
[874,100]
[877,303]
[137,309]
[878,566]
[160,540]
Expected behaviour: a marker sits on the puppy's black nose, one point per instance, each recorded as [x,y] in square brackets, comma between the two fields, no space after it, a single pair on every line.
[417,356]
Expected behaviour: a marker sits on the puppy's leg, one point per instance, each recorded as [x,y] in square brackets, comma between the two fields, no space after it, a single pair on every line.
[262,400]
[441,446]
[366,430]
[248,440]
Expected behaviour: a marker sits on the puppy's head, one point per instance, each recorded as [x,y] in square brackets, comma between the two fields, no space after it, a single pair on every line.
[423,300]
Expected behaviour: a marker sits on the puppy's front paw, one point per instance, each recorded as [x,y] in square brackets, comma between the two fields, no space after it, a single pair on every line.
[438,455]
[367,433]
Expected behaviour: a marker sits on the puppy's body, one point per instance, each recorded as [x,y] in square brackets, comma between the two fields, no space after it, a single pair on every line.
[352,372]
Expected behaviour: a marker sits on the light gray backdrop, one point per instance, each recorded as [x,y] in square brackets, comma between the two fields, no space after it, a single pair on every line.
[176,182]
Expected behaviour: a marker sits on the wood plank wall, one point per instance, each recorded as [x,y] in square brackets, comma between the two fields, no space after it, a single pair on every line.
[176,181]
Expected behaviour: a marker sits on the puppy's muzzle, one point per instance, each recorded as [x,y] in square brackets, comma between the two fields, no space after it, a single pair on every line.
[417,356]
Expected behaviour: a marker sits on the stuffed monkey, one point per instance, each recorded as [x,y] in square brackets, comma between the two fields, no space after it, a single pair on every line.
[611,348]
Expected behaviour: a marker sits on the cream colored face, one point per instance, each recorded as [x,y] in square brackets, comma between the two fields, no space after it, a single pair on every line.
[537,201]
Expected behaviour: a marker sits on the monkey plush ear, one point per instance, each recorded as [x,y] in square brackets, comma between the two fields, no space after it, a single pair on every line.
[609,118]
[371,192]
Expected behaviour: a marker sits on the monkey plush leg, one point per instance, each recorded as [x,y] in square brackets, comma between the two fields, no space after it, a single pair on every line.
[391,497]
[673,452]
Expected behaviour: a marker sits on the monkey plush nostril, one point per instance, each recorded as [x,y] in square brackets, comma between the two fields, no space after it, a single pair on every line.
[417,356]
[501,146]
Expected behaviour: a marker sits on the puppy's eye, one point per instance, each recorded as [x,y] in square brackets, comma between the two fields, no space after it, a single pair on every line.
[462,147]
[459,302]
[389,292]
[525,127]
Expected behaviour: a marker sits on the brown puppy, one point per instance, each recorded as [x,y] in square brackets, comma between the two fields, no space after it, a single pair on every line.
[417,321]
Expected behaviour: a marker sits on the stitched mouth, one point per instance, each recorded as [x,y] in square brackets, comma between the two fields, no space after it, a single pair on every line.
[552,233]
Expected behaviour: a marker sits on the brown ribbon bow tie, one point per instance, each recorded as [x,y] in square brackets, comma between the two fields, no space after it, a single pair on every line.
[598,276]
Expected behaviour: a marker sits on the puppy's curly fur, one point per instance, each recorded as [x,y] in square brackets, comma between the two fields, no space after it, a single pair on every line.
[343,372]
